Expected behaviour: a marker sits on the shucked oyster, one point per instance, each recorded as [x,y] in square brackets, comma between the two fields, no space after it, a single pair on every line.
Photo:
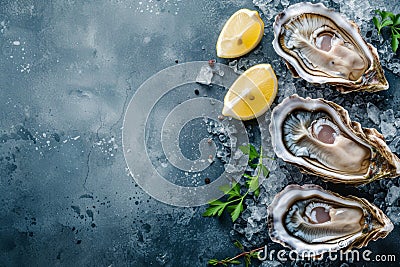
[321,46]
[319,137]
[312,221]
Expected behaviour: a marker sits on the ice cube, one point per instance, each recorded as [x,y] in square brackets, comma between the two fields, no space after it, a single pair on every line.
[285,3]
[393,195]
[229,168]
[394,214]
[395,145]
[205,75]
[238,154]
[387,125]
[259,213]
[373,113]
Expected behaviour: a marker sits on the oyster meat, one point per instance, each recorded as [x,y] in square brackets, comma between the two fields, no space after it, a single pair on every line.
[313,221]
[321,46]
[318,136]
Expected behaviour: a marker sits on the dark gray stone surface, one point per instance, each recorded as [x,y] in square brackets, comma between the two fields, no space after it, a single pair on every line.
[67,72]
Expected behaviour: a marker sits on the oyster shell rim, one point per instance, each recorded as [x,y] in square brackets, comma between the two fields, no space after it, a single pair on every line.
[369,137]
[355,242]
[342,85]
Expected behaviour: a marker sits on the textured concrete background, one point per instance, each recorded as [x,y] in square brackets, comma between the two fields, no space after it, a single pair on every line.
[68,69]
[67,72]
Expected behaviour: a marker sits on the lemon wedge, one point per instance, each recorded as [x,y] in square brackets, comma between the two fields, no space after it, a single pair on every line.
[240,34]
[252,93]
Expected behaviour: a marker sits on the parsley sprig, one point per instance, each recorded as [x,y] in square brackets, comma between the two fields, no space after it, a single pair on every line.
[248,255]
[234,202]
[388,19]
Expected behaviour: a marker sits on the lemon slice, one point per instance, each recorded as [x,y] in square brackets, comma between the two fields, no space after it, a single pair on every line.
[252,93]
[240,34]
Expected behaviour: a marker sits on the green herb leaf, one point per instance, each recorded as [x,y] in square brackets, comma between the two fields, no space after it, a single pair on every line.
[234,192]
[395,44]
[234,201]
[210,211]
[396,20]
[385,14]
[253,184]
[247,260]
[245,149]
[376,23]
[265,171]
[238,245]
[253,153]
[230,209]
[248,255]
[216,207]
[388,19]
[250,150]
[257,192]
[254,254]
[213,262]
[387,22]
[225,188]
[216,202]
[253,165]
[236,212]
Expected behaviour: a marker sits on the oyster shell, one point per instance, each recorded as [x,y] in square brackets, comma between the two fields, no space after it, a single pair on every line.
[318,136]
[321,46]
[312,221]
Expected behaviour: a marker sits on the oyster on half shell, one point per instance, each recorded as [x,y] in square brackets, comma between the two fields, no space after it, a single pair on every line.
[318,136]
[321,46]
[312,221]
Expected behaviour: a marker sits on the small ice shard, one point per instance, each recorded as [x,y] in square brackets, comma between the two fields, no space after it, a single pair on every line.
[285,3]
[373,113]
[397,123]
[17,43]
[217,70]
[207,72]
[394,67]
[387,125]
[205,75]
[229,168]
[223,155]
[233,65]
[258,213]
[394,214]
[289,89]
[395,145]
[232,143]
[393,195]
[238,154]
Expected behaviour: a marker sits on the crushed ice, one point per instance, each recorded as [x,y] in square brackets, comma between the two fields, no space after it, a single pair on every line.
[368,109]
[208,71]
